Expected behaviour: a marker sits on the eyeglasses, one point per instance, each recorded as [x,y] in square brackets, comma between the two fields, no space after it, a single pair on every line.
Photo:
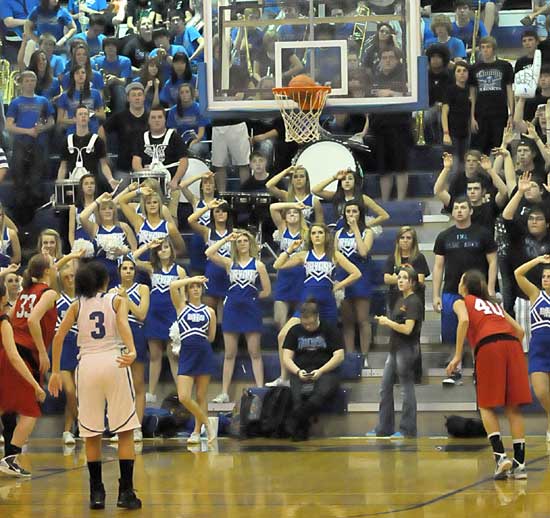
[536,218]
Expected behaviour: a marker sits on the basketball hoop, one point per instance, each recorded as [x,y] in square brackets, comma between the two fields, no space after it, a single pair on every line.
[301,107]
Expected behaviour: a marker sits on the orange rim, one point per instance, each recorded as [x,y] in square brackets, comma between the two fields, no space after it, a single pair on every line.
[306,96]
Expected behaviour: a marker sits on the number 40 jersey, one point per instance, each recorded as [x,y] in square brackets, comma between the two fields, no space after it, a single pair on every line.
[486,319]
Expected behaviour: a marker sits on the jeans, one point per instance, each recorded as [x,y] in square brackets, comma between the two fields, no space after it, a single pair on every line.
[400,362]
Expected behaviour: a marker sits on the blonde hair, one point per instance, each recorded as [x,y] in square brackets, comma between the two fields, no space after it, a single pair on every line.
[444,21]
[107,203]
[55,234]
[415,252]
[291,194]
[144,199]
[254,250]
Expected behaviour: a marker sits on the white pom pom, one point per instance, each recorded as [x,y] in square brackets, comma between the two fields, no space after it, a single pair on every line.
[175,338]
[339,296]
[84,244]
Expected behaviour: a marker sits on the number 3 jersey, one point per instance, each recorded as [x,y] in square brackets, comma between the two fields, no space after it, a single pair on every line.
[97,329]
[25,303]
[486,319]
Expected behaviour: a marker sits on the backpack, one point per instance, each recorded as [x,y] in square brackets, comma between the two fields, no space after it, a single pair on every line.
[276,408]
[158,422]
[251,412]
[467,427]
[180,414]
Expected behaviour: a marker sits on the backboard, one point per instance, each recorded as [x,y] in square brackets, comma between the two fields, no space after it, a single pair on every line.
[368,52]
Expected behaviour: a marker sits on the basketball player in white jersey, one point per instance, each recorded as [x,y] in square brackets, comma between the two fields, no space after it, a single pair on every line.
[106,351]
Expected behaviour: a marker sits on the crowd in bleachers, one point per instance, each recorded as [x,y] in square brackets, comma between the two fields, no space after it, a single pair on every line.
[86,89]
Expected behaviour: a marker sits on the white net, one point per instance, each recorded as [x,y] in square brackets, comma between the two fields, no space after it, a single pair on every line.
[301,108]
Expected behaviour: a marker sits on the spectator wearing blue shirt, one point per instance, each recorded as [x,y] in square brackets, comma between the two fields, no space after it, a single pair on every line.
[79,92]
[87,8]
[187,120]
[50,17]
[13,14]
[47,86]
[181,73]
[187,37]
[165,52]
[463,26]
[81,57]
[47,43]
[117,71]
[94,36]
[442,28]
[29,117]
[149,77]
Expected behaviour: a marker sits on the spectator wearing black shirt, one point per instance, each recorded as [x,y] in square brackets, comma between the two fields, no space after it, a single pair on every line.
[405,323]
[460,248]
[439,80]
[139,46]
[141,10]
[84,149]
[391,130]
[528,157]
[492,97]
[312,350]
[526,109]
[455,113]
[529,42]
[129,125]
[259,175]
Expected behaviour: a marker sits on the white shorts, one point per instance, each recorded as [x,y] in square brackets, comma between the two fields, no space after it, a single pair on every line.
[99,381]
[230,145]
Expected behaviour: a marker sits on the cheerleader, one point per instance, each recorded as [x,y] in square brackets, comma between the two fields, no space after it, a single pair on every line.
[138,297]
[102,377]
[197,329]
[299,190]
[242,313]
[354,242]
[111,238]
[161,315]
[350,187]
[501,370]
[291,226]
[13,366]
[149,223]
[208,193]
[10,249]
[220,227]
[49,243]
[539,345]
[33,322]
[85,196]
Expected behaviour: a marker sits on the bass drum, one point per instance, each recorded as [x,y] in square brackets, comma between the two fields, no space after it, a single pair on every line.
[195,166]
[324,159]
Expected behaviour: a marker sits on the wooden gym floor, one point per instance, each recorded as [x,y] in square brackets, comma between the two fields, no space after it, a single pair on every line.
[325,478]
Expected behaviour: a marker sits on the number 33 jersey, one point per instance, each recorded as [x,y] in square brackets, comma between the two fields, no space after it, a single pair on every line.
[486,319]
[24,305]
[97,329]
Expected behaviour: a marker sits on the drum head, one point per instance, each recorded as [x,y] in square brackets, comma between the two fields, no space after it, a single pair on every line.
[195,166]
[324,159]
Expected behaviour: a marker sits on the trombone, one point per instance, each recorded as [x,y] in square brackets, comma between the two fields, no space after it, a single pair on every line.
[4,78]
[360,29]
[477,16]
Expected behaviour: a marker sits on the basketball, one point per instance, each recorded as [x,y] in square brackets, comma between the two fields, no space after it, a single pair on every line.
[306,99]
[302,80]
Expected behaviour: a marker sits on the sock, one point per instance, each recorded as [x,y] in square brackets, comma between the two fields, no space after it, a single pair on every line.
[95,473]
[519,451]
[11,449]
[126,473]
[9,421]
[498,447]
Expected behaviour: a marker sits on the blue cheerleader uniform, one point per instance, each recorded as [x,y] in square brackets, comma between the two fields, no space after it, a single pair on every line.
[136,325]
[148,233]
[318,285]
[69,354]
[104,240]
[79,232]
[197,248]
[347,245]
[539,346]
[290,281]
[5,249]
[241,309]
[161,313]
[218,281]
[196,355]
[308,211]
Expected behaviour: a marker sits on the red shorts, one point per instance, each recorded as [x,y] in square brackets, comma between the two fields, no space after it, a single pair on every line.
[502,378]
[16,395]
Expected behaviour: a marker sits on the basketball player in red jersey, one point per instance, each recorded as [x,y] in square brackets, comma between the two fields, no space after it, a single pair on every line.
[33,320]
[501,369]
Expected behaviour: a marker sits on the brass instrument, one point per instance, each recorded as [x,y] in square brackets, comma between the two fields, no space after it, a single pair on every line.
[359,32]
[4,78]
[247,50]
[419,130]
[477,16]
[13,88]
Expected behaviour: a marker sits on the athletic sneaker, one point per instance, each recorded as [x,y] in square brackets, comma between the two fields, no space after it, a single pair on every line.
[97,497]
[221,398]
[150,398]
[365,363]
[138,435]
[397,435]
[194,438]
[372,434]
[127,499]
[504,465]
[454,379]
[279,382]
[68,438]
[9,466]
[518,471]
